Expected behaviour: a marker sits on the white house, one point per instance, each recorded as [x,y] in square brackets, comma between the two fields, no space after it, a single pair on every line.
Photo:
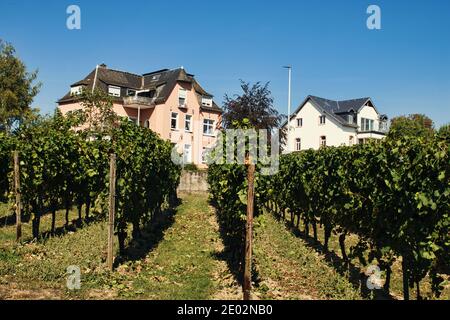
[322,122]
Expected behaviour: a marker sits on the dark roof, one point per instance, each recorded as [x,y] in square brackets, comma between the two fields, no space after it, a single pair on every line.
[336,109]
[119,78]
[153,72]
[165,81]
[162,81]
[214,107]
[343,106]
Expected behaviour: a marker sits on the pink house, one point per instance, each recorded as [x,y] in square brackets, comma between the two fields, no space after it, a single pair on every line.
[170,102]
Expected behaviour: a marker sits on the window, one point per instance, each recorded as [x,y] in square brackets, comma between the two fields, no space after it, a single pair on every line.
[323,141]
[114,91]
[206,102]
[300,122]
[131,92]
[366,124]
[187,154]
[74,91]
[182,97]
[146,94]
[147,124]
[350,141]
[350,118]
[298,144]
[188,123]
[208,127]
[174,121]
[322,120]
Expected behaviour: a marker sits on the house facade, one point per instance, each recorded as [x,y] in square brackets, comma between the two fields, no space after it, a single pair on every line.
[169,102]
[323,122]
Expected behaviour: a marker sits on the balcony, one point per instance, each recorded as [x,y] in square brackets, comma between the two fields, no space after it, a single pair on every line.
[139,102]
[371,133]
[373,126]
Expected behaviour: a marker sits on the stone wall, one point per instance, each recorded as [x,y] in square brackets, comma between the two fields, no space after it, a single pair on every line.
[193,181]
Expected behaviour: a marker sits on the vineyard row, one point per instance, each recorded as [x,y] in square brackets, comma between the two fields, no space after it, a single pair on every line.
[61,168]
[393,195]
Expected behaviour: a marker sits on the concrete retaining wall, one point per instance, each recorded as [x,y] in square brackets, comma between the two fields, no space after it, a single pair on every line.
[193,181]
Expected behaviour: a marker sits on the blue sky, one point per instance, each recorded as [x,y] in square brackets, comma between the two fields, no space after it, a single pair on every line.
[404,67]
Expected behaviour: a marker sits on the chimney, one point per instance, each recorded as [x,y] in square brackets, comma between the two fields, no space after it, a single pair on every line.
[103,66]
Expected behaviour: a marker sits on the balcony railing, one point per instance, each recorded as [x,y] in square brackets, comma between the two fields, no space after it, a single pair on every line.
[138,100]
[381,127]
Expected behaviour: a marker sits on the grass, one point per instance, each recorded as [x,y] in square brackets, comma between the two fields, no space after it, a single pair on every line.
[183,264]
[175,259]
[179,256]
[40,266]
[355,274]
[289,269]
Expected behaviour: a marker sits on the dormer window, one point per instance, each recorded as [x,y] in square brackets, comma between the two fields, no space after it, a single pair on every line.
[350,118]
[131,93]
[147,94]
[74,91]
[182,95]
[206,101]
[114,91]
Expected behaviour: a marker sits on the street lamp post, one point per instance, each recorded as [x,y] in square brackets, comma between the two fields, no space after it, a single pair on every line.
[289,109]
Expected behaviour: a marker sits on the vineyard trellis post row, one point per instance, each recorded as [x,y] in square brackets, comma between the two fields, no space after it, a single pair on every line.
[247,283]
[17,194]
[112,208]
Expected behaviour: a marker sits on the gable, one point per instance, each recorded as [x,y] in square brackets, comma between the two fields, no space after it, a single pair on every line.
[325,107]
[336,110]
[310,112]
[368,111]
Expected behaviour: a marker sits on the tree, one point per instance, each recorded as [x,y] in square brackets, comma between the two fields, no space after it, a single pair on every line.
[97,115]
[412,125]
[16,88]
[444,131]
[255,104]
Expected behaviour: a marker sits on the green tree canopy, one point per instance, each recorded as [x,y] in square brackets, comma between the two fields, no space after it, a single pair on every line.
[412,125]
[98,113]
[16,88]
[444,131]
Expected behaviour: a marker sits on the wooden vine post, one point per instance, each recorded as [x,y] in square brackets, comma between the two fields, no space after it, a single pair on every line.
[247,284]
[112,209]
[17,194]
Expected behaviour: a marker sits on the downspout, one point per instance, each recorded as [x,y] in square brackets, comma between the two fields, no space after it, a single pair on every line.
[198,138]
[139,116]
